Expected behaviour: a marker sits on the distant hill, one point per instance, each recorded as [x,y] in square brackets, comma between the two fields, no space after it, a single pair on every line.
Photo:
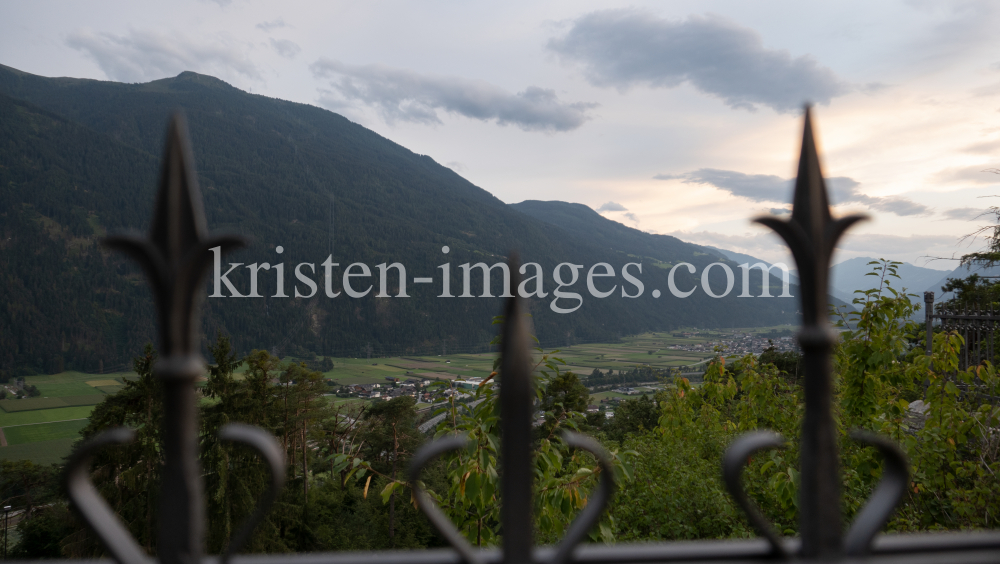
[79,159]
[852,274]
[959,273]
[744,258]
[584,223]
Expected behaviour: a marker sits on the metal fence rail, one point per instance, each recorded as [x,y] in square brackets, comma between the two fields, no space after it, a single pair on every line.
[978,327]
[175,257]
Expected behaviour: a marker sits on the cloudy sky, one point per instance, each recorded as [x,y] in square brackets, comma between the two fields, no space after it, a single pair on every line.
[680,118]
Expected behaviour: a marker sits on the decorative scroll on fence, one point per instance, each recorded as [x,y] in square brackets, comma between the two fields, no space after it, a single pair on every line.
[175,257]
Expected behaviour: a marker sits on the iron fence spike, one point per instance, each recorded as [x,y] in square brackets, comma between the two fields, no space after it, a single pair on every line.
[517,399]
[812,234]
[175,256]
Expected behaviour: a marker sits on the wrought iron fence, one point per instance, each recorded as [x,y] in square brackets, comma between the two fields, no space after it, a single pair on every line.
[978,327]
[175,256]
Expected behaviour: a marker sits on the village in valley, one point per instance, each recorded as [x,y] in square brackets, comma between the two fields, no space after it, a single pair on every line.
[437,380]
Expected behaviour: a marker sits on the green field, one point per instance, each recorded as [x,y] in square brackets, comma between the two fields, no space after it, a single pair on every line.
[33,404]
[62,389]
[45,452]
[648,390]
[343,401]
[30,404]
[72,383]
[90,399]
[23,434]
[580,358]
[45,415]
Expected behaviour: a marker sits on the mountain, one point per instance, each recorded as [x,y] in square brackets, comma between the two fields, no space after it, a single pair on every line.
[79,159]
[852,274]
[743,258]
[584,223]
[960,273]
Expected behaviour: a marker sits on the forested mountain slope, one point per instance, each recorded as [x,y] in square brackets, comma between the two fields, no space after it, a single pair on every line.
[583,223]
[79,158]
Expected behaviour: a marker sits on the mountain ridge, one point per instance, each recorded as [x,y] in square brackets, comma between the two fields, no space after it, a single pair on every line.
[290,175]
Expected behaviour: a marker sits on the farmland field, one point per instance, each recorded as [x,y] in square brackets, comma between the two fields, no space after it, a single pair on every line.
[580,358]
[43,428]
[38,432]
[45,415]
[62,389]
[648,390]
[30,404]
[44,452]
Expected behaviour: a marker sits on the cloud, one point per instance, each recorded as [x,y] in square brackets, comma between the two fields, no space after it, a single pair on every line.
[271,25]
[978,174]
[779,211]
[332,102]
[667,176]
[402,95]
[965,214]
[285,48]
[756,187]
[873,87]
[987,91]
[147,55]
[771,188]
[893,246]
[961,28]
[625,48]
[762,244]
[984,148]
[766,245]
[893,204]
[611,206]
[616,207]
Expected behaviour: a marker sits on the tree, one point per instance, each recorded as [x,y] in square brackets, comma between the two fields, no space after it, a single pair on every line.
[972,290]
[344,441]
[563,397]
[990,256]
[639,415]
[471,496]
[391,439]
[869,358]
[954,454]
[25,485]
[220,374]
[128,476]
[786,362]
[41,536]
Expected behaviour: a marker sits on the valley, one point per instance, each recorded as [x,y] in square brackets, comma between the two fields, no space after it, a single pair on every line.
[43,429]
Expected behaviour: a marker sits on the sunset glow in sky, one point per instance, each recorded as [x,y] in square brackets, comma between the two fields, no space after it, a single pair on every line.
[680,118]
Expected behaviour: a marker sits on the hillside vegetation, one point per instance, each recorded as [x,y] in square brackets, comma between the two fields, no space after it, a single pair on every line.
[79,159]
